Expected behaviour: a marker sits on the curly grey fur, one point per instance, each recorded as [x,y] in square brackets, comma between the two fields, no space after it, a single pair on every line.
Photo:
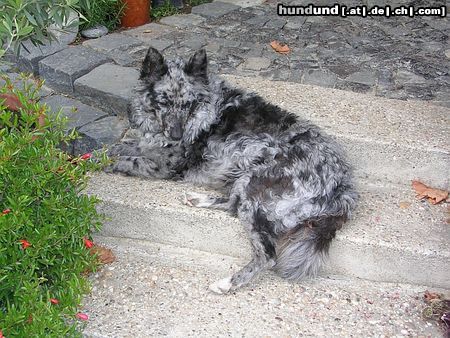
[288,183]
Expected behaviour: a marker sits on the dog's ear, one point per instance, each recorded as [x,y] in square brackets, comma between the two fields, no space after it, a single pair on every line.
[154,66]
[197,65]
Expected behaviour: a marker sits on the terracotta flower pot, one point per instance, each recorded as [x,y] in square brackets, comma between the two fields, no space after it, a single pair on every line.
[136,13]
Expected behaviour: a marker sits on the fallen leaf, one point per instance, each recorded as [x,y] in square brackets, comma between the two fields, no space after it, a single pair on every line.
[434,196]
[404,205]
[279,48]
[105,255]
[430,296]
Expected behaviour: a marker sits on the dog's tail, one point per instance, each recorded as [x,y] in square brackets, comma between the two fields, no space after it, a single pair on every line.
[301,252]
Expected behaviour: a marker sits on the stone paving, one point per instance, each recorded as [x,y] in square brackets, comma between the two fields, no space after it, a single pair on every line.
[402,58]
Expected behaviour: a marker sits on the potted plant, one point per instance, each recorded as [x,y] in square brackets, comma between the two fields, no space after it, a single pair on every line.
[135,13]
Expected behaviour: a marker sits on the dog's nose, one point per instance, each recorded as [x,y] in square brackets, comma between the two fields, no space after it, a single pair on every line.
[176,132]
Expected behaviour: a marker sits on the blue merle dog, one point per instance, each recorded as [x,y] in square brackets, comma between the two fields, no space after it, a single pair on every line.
[285,180]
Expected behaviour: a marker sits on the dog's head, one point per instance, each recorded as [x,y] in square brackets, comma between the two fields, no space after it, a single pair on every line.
[174,92]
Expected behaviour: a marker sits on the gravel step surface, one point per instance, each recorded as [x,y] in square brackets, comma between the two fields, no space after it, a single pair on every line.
[392,237]
[157,290]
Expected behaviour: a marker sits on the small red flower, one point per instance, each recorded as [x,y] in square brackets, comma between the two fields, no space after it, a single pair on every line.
[82,316]
[86,156]
[54,301]
[87,243]
[25,243]
[6,212]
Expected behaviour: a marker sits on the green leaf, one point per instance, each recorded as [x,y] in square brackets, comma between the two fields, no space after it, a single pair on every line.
[30,18]
[24,31]
[7,23]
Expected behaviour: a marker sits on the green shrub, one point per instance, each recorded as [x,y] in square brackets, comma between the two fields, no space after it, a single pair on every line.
[103,12]
[21,20]
[166,9]
[44,220]
[193,3]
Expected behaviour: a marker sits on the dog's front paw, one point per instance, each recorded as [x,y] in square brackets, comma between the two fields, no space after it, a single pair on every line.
[222,286]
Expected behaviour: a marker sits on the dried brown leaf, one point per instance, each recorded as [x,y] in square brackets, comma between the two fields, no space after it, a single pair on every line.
[433,195]
[430,296]
[11,102]
[105,255]
[280,48]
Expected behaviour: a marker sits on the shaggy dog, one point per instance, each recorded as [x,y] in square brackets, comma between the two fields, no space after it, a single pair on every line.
[286,181]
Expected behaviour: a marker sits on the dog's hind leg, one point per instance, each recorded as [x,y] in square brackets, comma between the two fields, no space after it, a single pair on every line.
[264,256]
[260,262]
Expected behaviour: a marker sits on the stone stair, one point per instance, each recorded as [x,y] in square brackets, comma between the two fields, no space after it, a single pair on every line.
[169,253]
[156,290]
[393,237]
[384,242]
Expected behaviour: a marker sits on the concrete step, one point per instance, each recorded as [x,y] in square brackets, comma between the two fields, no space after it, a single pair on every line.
[388,143]
[155,290]
[384,242]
